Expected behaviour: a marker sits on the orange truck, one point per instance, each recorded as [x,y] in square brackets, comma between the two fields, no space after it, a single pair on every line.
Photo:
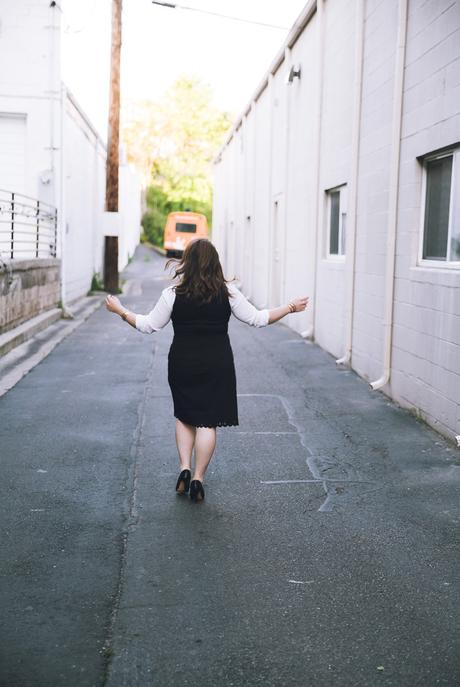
[180,229]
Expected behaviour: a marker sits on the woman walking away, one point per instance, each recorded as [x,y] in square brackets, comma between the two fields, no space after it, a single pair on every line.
[201,372]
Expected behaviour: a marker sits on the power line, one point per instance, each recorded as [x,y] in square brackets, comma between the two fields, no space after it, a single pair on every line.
[174,6]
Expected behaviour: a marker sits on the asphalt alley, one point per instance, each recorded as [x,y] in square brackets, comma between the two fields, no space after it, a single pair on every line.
[326,552]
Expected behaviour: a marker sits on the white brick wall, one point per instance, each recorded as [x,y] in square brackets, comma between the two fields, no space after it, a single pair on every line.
[425,361]
[426,351]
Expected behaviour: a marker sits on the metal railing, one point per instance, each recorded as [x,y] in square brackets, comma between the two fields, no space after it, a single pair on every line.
[28,227]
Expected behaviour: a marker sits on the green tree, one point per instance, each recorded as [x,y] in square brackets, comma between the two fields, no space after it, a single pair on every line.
[174,143]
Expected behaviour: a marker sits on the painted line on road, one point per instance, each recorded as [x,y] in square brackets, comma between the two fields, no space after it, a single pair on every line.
[275,433]
[316,481]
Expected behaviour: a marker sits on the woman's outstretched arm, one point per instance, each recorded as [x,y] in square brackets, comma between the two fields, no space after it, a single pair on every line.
[246,312]
[297,305]
[156,319]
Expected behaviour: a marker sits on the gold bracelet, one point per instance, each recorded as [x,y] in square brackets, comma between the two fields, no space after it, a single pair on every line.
[291,307]
[124,315]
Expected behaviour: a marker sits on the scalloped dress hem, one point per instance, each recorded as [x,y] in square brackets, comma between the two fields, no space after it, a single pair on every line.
[220,423]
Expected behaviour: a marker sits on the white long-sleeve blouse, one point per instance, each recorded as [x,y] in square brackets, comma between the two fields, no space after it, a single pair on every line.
[161,313]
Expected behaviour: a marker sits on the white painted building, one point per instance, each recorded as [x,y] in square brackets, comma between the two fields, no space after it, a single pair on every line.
[341,181]
[50,151]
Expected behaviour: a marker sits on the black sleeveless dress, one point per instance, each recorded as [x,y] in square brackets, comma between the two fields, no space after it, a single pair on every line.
[201,371]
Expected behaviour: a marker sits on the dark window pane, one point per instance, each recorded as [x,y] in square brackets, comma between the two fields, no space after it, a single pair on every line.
[343,238]
[439,173]
[455,234]
[334,234]
[185,226]
[455,248]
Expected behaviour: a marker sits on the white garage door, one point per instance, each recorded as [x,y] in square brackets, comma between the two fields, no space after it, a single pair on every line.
[12,152]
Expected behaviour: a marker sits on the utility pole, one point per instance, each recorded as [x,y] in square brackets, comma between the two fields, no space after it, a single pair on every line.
[113,141]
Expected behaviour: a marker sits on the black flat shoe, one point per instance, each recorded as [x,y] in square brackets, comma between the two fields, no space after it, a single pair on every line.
[196,490]
[183,482]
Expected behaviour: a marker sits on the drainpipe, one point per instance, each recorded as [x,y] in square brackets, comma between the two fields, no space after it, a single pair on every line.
[242,221]
[61,205]
[254,201]
[355,141]
[287,63]
[316,248]
[58,96]
[393,199]
[271,100]
[53,87]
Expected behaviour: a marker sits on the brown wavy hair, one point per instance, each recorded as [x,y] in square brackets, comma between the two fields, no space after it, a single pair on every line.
[199,272]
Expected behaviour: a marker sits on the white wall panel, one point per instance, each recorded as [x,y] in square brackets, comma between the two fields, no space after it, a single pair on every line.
[335,165]
[380,32]
[301,176]
[261,223]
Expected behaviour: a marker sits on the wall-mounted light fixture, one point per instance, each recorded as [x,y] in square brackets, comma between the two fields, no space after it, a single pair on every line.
[294,73]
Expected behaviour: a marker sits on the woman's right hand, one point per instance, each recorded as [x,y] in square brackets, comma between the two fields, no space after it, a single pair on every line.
[112,303]
[300,303]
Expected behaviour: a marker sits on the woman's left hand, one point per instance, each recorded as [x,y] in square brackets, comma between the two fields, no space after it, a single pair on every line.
[300,303]
[113,304]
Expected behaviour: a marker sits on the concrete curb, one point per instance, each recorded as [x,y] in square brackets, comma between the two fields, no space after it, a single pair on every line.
[18,362]
[26,330]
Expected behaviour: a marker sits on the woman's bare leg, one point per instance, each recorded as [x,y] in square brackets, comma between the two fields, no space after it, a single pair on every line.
[205,443]
[185,438]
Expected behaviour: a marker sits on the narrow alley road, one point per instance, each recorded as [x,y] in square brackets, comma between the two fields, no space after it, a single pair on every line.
[326,552]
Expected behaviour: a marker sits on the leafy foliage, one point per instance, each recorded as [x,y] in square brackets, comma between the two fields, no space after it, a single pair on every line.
[173,143]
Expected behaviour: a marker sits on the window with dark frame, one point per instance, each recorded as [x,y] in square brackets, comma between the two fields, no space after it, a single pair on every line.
[336,217]
[334,199]
[437,205]
[440,231]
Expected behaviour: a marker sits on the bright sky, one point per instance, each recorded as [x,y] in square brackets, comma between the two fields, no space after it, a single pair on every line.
[161,44]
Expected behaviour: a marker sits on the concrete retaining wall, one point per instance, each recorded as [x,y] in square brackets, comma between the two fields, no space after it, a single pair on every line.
[27,288]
